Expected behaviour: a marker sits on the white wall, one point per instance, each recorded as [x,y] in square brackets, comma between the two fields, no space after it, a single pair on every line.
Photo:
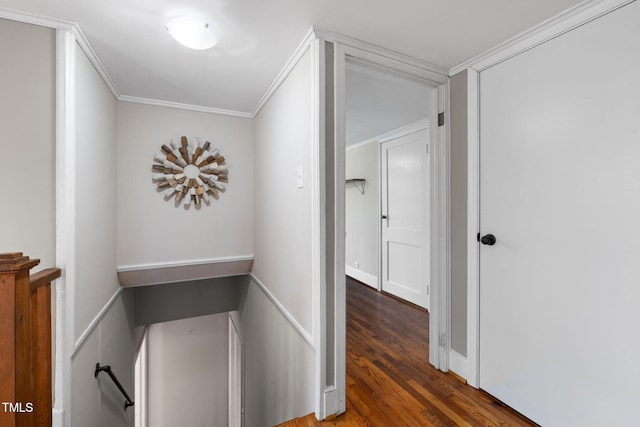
[107,328]
[188,372]
[152,230]
[27,138]
[282,215]
[362,220]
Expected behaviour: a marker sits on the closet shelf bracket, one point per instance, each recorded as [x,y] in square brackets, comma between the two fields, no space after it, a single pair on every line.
[358,183]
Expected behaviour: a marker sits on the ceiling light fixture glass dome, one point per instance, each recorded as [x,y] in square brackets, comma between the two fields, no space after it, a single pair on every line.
[192,33]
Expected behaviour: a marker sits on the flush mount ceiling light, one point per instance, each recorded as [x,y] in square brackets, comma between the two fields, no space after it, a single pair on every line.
[192,33]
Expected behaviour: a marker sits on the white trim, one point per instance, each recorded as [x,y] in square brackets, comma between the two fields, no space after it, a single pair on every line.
[393,134]
[404,130]
[180,106]
[330,401]
[361,143]
[94,323]
[380,52]
[440,319]
[141,382]
[440,207]
[235,375]
[318,220]
[65,220]
[155,274]
[171,264]
[458,363]
[35,19]
[473,228]
[292,320]
[95,60]
[362,276]
[415,73]
[339,221]
[302,48]
[547,30]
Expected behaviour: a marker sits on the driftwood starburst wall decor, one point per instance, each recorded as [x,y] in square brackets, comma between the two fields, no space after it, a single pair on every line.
[191,173]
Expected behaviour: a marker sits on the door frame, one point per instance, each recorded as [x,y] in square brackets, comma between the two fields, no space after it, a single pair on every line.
[439,326]
[550,29]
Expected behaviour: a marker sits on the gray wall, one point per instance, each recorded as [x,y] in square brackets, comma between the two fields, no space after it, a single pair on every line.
[173,301]
[188,372]
[109,336]
[147,222]
[97,402]
[362,213]
[458,116]
[279,377]
[27,135]
[279,371]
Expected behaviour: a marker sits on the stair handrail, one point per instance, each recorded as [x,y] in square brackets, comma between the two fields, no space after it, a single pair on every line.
[107,368]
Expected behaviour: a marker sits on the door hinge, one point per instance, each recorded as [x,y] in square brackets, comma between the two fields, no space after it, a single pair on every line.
[441,340]
[478,237]
[441,119]
[428,290]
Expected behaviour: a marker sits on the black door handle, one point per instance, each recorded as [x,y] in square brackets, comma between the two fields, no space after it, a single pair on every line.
[488,239]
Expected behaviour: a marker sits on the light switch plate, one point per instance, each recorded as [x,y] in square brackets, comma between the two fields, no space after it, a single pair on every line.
[300,177]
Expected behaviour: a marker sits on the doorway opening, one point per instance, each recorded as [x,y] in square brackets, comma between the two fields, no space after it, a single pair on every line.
[432,256]
[387,183]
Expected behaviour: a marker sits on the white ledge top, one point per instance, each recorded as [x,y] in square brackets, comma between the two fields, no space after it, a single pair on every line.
[159,273]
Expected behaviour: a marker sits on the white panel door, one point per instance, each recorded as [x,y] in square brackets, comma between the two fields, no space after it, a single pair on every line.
[405,230]
[560,190]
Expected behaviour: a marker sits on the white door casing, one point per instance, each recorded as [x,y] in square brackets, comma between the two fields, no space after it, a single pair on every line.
[235,376]
[560,190]
[438,326]
[405,184]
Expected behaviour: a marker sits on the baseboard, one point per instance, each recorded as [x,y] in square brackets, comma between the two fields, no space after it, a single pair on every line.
[361,276]
[458,363]
[57,417]
[330,402]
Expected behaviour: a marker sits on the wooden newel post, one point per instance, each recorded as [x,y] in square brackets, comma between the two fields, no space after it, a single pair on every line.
[25,342]
[15,338]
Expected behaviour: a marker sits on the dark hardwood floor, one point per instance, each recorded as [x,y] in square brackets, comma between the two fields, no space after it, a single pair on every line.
[389,379]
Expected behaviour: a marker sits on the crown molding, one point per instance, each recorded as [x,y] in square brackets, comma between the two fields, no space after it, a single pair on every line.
[302,48]
[541,33]
[94,59]
[35,19]
[73,28]
[190,107]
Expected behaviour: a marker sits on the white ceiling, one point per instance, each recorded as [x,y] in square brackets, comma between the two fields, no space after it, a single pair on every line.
[259,36]
[377,103]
